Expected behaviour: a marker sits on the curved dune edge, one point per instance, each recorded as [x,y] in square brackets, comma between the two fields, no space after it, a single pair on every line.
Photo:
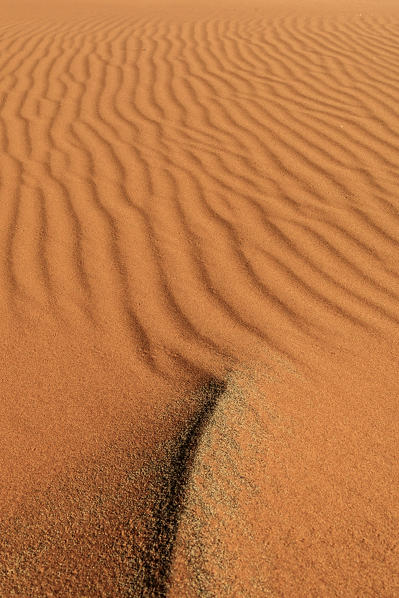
[267,474]
[220,546]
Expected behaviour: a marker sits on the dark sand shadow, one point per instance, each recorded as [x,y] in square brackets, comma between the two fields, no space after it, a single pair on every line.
[170,495]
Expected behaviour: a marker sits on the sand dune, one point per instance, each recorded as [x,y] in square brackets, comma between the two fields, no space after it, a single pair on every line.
[199,196]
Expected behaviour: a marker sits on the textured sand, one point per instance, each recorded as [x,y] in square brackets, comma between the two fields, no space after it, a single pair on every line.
[199,292]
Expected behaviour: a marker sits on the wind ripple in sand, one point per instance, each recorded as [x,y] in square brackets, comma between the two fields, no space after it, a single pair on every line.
[141,157]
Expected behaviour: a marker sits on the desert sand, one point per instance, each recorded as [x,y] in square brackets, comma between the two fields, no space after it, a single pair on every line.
[199,292]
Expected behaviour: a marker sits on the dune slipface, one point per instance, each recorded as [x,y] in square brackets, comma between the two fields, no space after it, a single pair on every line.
[199,292]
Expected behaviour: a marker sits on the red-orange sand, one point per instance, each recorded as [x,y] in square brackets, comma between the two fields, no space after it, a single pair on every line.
[199,298]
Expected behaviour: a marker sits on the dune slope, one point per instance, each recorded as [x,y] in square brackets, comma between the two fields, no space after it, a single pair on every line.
[194,196]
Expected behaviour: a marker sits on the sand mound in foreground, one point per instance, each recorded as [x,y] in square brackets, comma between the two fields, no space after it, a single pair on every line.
[188,191]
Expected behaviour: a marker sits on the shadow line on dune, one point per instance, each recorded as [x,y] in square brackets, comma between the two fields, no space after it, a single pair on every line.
[170,495]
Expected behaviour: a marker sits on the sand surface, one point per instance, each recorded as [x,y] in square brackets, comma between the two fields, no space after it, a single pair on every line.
[199,293]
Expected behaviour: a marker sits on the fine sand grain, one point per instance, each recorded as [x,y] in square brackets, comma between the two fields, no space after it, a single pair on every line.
[199,298]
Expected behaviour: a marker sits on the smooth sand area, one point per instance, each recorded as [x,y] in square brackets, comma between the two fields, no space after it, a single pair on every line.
[199,298]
